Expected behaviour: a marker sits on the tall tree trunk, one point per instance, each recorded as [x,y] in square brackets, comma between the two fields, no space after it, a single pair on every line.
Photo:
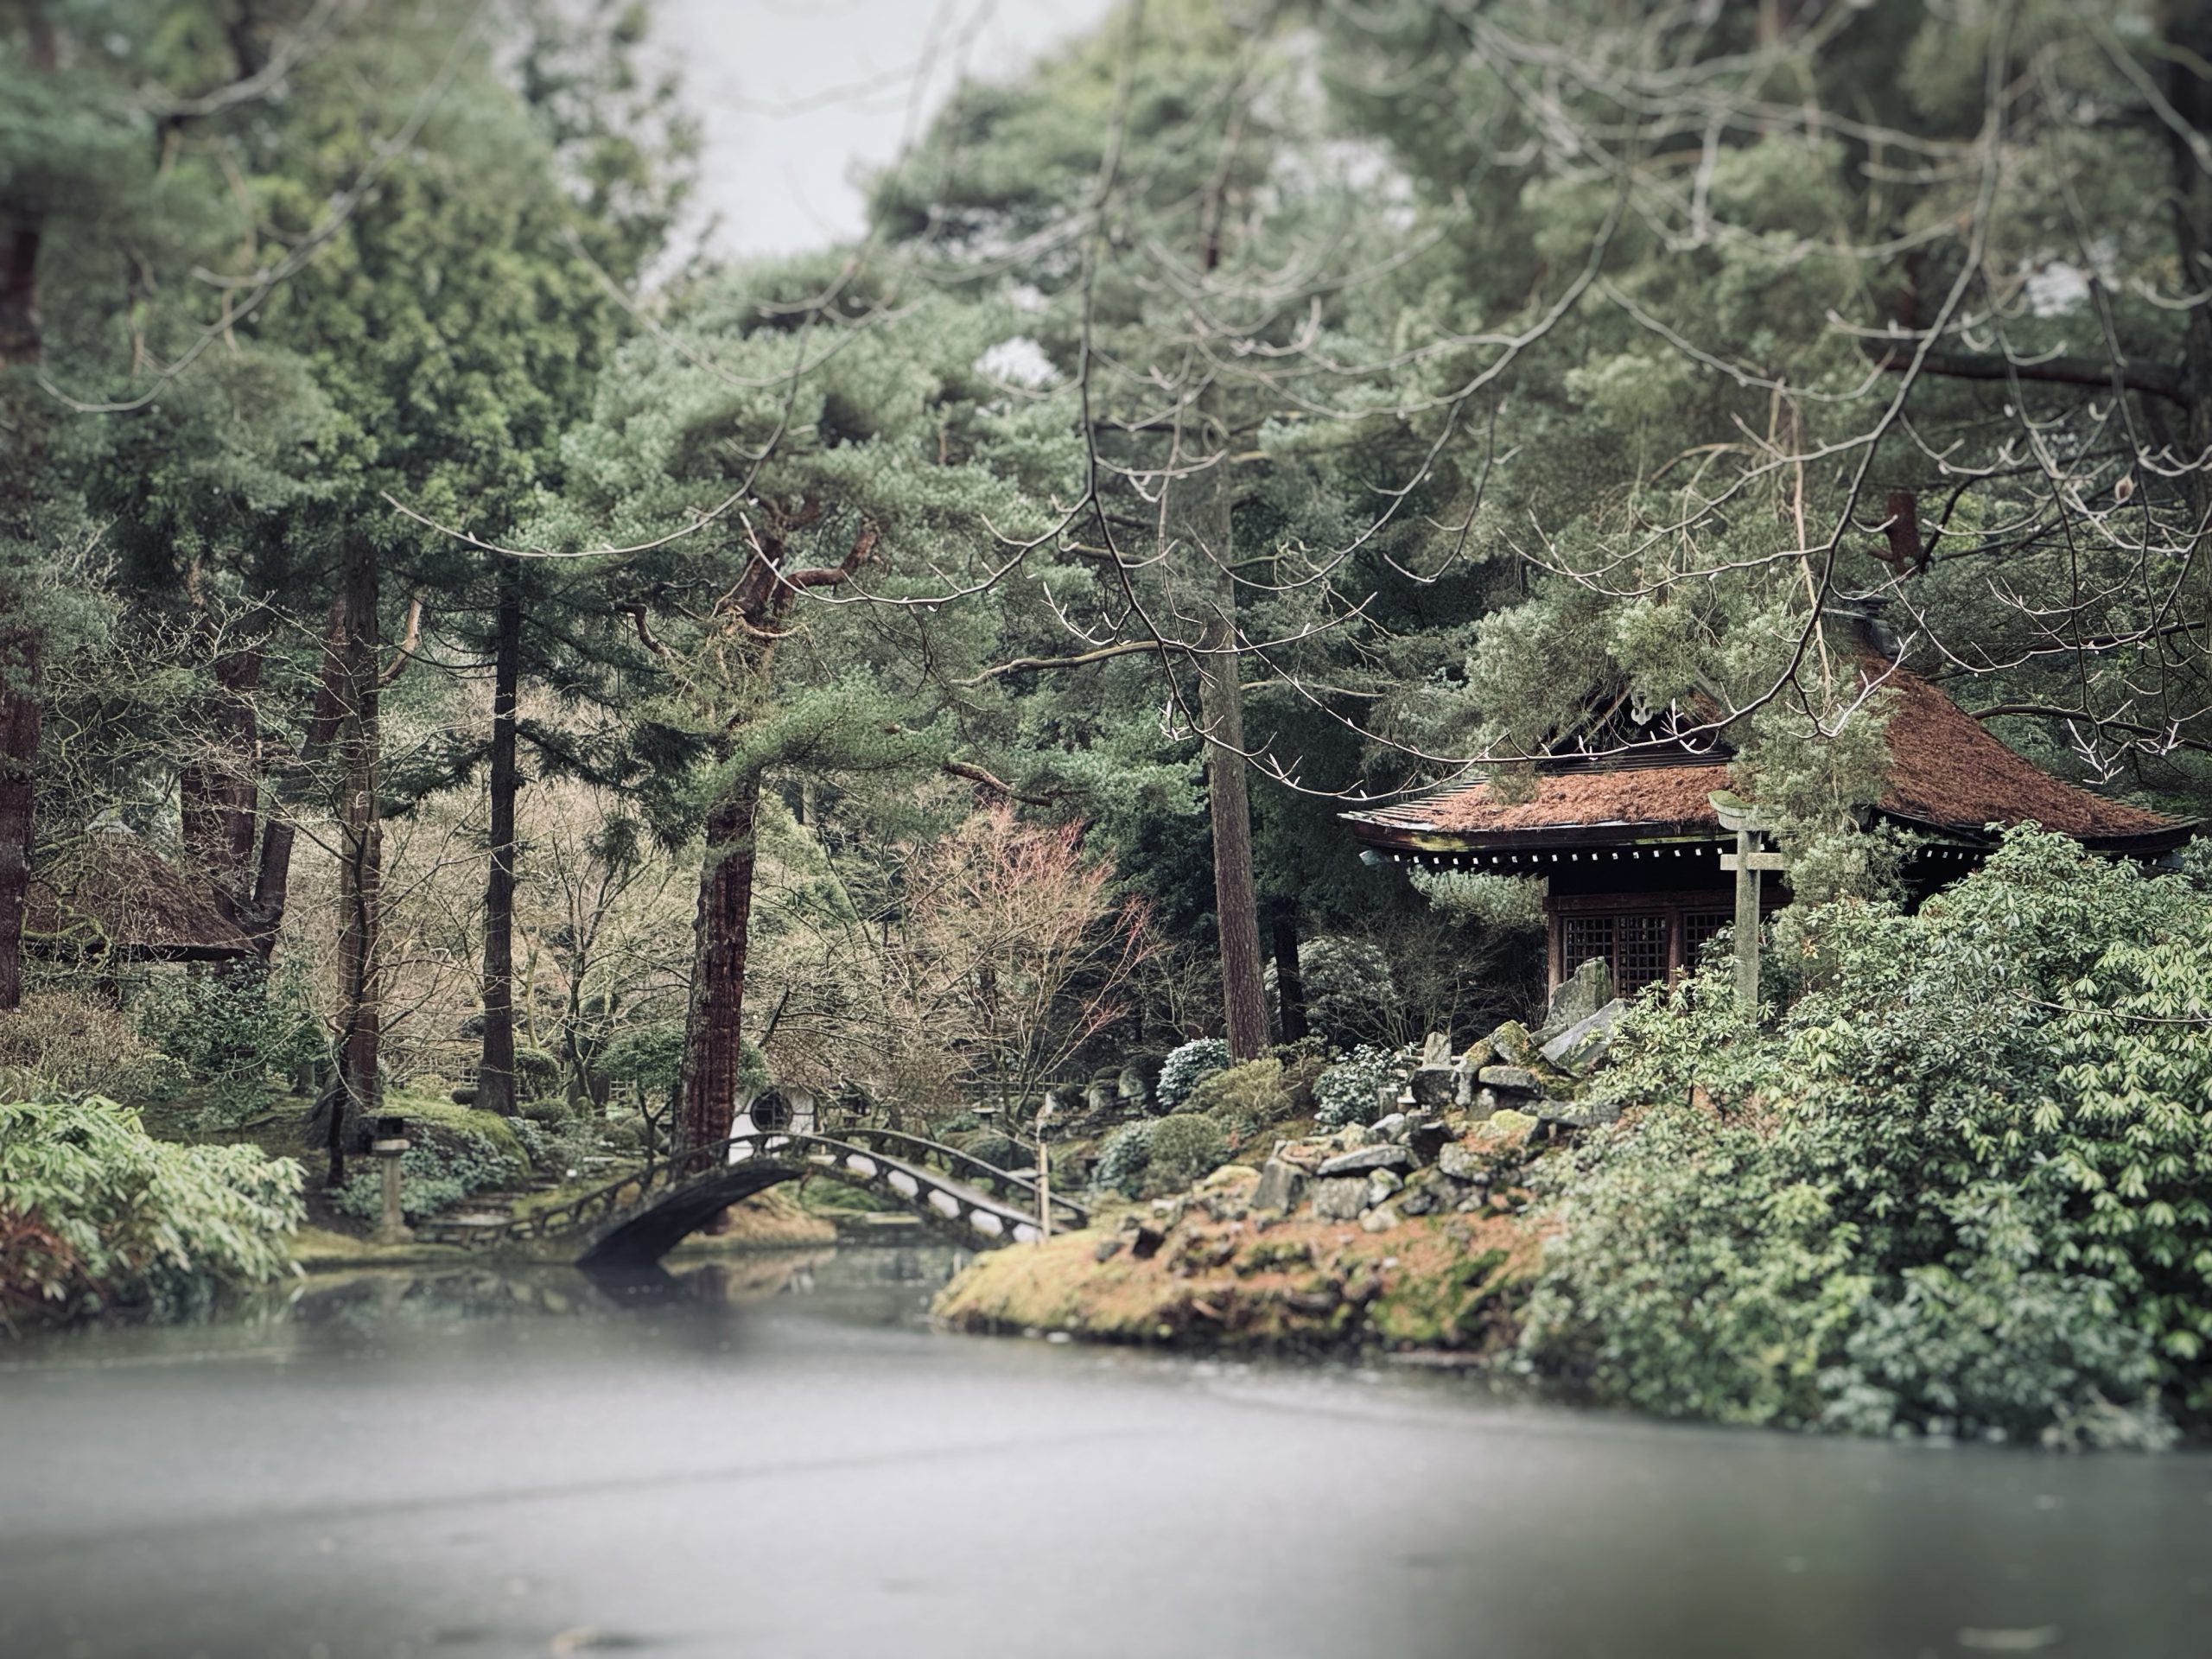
[714,1034]
[19,729]
[2189,32]
[273,872]
[21,652]
[360,859]
[495,1074]
[22,224]
[1236,910]
[219,788]
[19,234]
[1290,988]
[1198,508]
[714,1027]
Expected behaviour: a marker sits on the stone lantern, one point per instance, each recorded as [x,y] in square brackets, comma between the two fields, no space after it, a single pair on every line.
[389,1147]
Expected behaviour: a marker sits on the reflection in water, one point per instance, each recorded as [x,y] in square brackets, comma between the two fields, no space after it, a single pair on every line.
[877,1286]
[760,1455]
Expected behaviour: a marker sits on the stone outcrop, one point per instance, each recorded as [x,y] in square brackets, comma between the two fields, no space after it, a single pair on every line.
[1581,995]
[1282,1184]
[1367,1158]
[1582,1046]
[1340,1200]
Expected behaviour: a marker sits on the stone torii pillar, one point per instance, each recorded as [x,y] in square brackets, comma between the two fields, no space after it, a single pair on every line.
[1750,861]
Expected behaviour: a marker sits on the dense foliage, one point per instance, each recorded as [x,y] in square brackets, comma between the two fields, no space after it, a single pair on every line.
[1245,1099]
[518,666]
[436,1175]
[95,1214]
[1962,1183]
[1350,1091]
[1188,1066]
[1159,1155]
[1123,1157]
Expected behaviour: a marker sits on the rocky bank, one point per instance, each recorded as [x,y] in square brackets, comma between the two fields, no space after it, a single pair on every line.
[1415,1232]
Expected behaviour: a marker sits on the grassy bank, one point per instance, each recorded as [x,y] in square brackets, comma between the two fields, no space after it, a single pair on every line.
[1210,1271]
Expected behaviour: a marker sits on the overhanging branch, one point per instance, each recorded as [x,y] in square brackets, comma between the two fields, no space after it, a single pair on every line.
[2152,379]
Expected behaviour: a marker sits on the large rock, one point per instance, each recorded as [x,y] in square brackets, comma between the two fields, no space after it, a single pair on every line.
[1139,1078]
[1577,1113]
[1460,1162]
[1380,1219]
[355,1129]
[1511,1043]
[1366,1159]
[1340,1200]
[1383,1184]
[1435,1087]
[1584,1043]
[1515,1079]
[1392,1128]
[1581,995]
[1282,1184]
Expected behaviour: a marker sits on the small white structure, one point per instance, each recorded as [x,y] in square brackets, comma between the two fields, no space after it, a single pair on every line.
[770,1111]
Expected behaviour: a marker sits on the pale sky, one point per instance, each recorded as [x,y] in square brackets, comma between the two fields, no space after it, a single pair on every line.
[797,97]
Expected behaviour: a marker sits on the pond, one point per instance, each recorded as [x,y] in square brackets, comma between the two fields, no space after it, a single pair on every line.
[772,1454]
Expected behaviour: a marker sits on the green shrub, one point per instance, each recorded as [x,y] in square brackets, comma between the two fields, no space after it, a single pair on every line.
[997,1150]
[538,1073]
[1299,1078]
[1963,1185]
[651,1056]
[1123,1157]
[1183,1147]
[231,1028]
[435,1175]
[565,1145]
[1350,1090]
[1350,994]
[444,1122]
[60,1041]
[94,1213]
[1188,1066]
[1245,1098]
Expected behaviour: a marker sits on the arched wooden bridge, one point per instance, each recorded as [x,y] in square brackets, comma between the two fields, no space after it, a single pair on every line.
[636,1220]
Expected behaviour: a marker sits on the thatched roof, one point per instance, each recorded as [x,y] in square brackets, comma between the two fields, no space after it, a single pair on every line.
[1948,770]
[1946,773]
[1656,799]
[114,894]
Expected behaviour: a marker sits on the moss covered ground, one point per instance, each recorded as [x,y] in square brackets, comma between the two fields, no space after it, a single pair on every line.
[1206,1270]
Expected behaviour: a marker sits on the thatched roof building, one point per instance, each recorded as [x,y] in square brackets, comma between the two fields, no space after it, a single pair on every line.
[115,896]
[1631,847]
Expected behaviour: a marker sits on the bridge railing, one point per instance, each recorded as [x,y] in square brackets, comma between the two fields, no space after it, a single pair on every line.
[1000,1183]
[587,1209]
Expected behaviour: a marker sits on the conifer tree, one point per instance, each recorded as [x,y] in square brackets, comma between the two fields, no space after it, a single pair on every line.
[779,490]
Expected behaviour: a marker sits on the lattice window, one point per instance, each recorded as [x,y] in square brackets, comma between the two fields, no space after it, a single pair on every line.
[1640,952]
[1583,937]
[1698,928]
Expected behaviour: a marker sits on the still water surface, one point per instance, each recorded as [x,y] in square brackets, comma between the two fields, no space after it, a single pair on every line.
[776,1457]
